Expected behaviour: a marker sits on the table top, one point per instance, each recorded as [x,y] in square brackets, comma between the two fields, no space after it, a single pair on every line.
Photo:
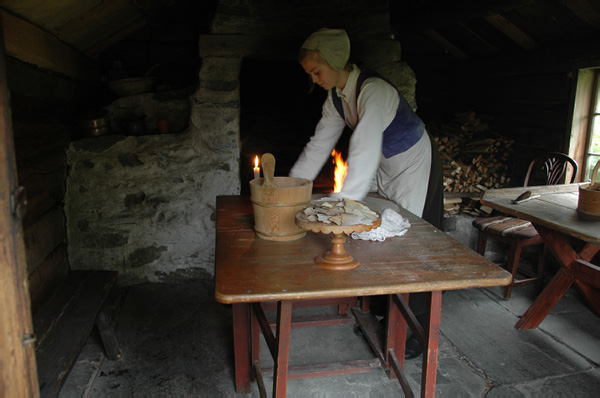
[250,269]
[556,208]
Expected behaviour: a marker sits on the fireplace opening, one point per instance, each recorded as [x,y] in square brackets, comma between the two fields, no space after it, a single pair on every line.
[279,115]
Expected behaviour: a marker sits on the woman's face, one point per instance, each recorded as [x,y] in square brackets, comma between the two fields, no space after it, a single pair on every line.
[320,72]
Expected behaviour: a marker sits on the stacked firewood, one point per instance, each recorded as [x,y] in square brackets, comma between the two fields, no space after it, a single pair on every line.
[474,159]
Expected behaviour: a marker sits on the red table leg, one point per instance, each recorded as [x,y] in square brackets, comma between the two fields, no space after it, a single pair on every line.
[587,277]
[395,341]
[254,338]
[430,352]
[562,281]
[396,334]
[241,347]
[284,326]
[535,314]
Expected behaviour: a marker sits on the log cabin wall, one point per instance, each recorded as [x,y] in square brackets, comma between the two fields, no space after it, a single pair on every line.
[529,97]
[514,63]
[43,105]
[520,104]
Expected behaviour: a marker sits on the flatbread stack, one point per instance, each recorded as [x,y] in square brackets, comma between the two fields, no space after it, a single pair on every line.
[342,212]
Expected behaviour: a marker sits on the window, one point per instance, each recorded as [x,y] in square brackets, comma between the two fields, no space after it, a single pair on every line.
[584,144]
[593,136]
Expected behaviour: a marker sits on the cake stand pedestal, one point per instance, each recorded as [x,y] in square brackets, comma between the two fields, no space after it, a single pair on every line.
[337,258]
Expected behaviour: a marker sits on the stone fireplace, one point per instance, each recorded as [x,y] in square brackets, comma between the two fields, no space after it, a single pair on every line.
[145,205]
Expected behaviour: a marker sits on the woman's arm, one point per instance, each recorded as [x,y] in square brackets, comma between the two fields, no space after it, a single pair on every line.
[318,149]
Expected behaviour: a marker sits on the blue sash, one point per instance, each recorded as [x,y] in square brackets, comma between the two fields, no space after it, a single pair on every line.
[403,132]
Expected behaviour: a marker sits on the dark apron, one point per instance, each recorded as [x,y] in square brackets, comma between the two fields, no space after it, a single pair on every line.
[433,211]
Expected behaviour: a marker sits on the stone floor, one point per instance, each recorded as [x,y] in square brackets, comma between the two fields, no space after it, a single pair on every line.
[176,340]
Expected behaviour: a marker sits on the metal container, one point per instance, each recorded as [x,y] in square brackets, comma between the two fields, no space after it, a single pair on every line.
[94,126]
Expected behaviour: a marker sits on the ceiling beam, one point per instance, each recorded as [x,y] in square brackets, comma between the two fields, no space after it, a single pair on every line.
[434,15]
[512,31]
[446,44]
[102,11]
[33,45]
[584,10]
[484,45]
[95,49]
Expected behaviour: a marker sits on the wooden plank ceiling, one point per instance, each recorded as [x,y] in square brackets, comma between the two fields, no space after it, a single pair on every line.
[462,29]
[475,29]
[86,25]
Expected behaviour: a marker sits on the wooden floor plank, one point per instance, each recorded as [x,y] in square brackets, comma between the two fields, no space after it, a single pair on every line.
[58,350]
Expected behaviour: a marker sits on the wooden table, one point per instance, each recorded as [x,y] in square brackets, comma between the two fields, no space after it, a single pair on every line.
[251,273]
[554,215]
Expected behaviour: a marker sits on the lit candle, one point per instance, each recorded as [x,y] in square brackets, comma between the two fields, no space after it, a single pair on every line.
[256,168]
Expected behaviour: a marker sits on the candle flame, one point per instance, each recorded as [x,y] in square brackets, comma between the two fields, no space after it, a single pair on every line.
[256,161]
[341,169]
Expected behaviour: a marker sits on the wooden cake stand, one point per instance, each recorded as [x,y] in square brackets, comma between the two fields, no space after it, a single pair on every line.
[337,258]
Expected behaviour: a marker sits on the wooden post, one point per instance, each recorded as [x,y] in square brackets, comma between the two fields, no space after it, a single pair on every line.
[18,376]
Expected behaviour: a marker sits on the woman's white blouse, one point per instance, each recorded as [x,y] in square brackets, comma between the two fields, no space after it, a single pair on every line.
[375,109]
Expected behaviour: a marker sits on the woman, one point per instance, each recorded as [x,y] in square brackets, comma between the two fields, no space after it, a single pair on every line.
[388,141]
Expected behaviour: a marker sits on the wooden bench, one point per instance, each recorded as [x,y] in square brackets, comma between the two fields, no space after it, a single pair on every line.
[64,322]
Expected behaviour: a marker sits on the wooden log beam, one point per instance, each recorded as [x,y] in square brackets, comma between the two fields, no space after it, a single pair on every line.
[115,37]
[410,18]
[446,44]
[43,236]
[48,276]
[103,10]
[584,10]
[511,30]
[481,43]
[31,44]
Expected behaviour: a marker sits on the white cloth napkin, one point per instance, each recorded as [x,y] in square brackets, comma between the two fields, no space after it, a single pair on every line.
[392,224]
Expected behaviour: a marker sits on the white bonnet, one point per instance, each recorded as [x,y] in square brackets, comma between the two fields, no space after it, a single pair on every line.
[332,44]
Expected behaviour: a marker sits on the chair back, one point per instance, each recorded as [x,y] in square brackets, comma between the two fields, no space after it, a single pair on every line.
[550,169]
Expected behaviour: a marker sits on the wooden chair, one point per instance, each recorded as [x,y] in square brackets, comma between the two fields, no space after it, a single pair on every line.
[549,169]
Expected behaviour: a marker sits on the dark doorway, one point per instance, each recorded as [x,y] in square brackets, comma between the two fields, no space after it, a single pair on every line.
[278,115]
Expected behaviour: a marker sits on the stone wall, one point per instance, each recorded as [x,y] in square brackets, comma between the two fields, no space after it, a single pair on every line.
[145,206]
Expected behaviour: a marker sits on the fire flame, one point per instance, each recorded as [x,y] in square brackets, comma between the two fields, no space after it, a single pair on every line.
[256,161]
[341,169]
